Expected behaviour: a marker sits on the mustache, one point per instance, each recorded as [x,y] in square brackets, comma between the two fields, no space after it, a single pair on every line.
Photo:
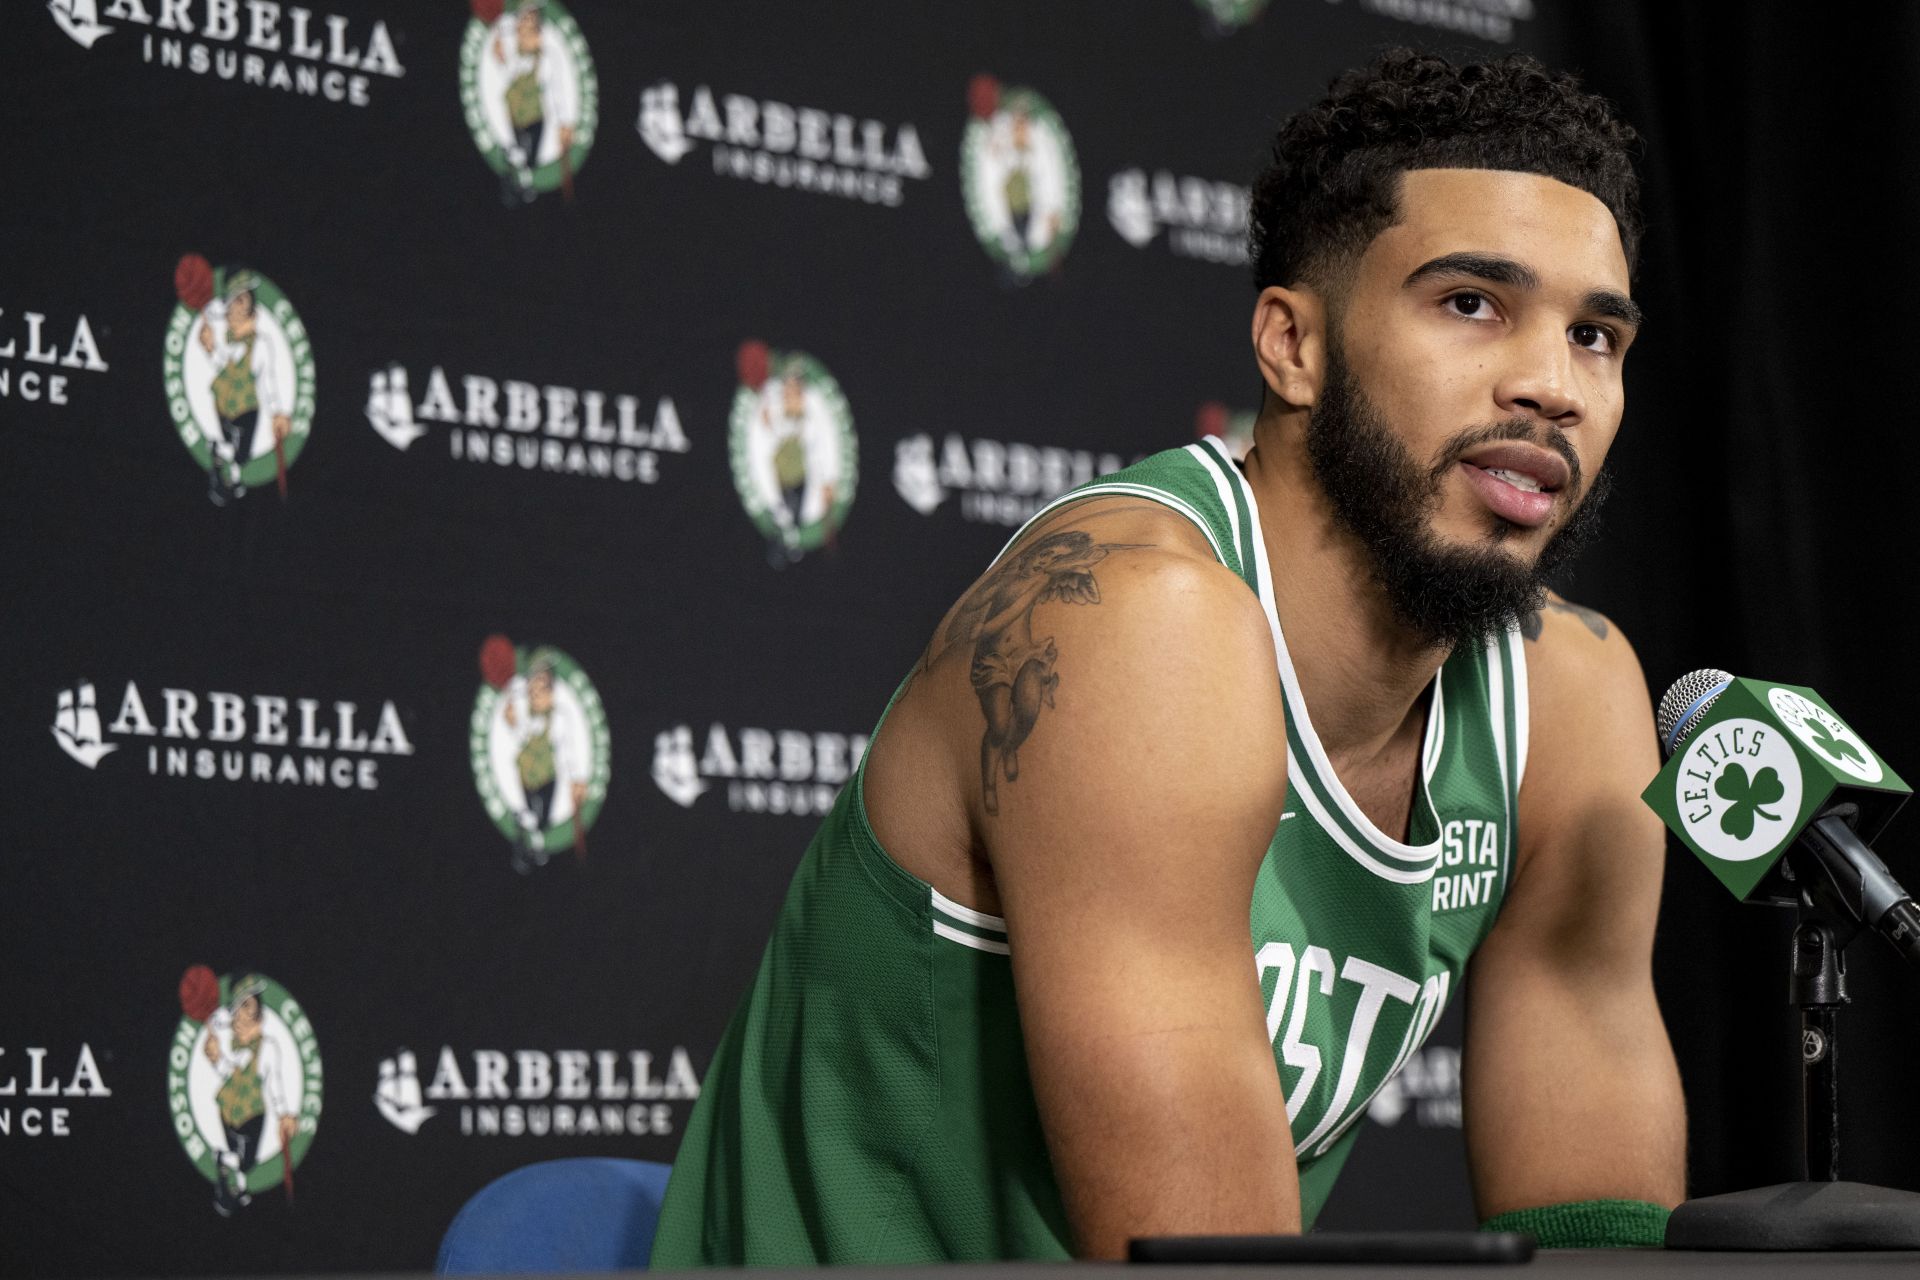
[1512,429]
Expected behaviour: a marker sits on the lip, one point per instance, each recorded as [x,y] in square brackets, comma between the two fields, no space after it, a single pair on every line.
[1544,467]
[1507,501]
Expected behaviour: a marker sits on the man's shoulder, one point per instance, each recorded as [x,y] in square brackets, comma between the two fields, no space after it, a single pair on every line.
[1156,567]
[1590,712]
[1575,653]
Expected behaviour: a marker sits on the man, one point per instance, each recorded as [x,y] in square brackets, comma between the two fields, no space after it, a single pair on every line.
[244,382]
[1011,1007]
[543,761]
[252,1087]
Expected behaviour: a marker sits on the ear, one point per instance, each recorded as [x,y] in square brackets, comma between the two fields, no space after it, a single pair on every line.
[1289,343]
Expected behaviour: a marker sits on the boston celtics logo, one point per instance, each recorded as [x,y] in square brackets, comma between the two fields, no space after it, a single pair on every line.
[1020,178]
[239,377]
[794,455]
[1230,14]
[1826,733]
[1738,789]
[532,102]
[243,1084]
[540,750]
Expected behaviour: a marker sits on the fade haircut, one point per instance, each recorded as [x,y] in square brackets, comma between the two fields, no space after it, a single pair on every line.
[1334,182]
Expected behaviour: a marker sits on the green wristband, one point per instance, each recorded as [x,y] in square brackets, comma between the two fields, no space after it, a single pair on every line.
[1588,1224]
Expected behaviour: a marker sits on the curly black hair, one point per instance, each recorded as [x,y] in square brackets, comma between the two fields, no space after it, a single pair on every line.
[1334,182]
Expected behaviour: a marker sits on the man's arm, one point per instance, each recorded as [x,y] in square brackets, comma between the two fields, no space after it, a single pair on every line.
[1124,854]
[1570,1088]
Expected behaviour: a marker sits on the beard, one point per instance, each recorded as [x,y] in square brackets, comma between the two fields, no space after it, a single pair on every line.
[1446,595]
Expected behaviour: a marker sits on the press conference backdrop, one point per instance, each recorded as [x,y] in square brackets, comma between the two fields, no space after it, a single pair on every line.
[473,477]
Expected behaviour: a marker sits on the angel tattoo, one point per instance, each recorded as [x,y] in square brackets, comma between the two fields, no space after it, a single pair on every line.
[1012,673]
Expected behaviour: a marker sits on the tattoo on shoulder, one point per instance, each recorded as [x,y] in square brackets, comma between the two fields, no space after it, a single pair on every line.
[1595,621]
[1012,670]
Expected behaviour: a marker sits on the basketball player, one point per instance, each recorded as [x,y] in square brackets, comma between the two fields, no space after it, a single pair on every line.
[1225,779]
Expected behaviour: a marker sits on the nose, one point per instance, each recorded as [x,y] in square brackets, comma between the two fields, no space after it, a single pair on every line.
[1540,380]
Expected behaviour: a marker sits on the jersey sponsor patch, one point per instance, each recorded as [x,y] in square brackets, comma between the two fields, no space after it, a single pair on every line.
[1469,871]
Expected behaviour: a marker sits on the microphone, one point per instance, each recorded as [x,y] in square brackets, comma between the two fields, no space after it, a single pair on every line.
[1780,798]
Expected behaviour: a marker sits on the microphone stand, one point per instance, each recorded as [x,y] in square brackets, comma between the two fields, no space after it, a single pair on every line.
[1820,1211]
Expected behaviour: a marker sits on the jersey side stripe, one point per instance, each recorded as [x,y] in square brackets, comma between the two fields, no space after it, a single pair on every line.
[1500,701]
[968,940]
[966,915]
[1521,711]
[1239,516]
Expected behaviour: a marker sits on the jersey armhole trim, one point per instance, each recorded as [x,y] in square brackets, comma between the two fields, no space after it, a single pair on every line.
[1116,488]
[1520,709]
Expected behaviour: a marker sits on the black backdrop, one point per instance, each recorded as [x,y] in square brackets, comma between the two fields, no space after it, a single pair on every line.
[1758,525]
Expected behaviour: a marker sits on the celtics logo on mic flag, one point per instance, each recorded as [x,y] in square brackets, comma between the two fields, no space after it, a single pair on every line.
[1764,761]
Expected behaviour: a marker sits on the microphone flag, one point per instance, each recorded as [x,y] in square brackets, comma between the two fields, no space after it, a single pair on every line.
[1757,765]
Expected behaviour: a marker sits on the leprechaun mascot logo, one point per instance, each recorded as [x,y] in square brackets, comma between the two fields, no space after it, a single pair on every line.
[239,377]
[794,455]
[540,750]
[1020,178]
[529,92]
[243,1084]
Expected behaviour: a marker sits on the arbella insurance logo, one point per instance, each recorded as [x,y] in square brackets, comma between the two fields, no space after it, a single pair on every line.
[45,363]
[517,425]
[538,1093]
[1020,178]
[790,442]
[997,483]
[762,770]
[531,98]
[261,43]
[1203,219]
[42,1104]
[230,737]
[540,748]
[239,377]
[243,1084]
[773,144]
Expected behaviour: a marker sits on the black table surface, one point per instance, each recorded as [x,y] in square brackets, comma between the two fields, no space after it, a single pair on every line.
[1639,1264]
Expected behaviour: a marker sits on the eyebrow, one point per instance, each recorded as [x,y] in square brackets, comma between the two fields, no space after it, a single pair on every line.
[1497,270]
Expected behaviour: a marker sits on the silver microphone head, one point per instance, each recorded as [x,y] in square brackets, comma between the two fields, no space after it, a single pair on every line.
[1685,701]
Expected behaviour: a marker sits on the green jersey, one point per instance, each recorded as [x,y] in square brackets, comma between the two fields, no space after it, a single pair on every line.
[870,1101]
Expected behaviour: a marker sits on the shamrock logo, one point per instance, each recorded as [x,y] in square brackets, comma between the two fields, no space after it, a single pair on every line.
[1831,747]
[1747,796]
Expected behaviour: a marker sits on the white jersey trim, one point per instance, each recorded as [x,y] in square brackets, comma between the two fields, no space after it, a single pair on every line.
[1522,710]
[966,915]
[1417,856]
[1127,487]
[952,934]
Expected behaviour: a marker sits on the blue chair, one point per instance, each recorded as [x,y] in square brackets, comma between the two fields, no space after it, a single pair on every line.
[588,1214]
